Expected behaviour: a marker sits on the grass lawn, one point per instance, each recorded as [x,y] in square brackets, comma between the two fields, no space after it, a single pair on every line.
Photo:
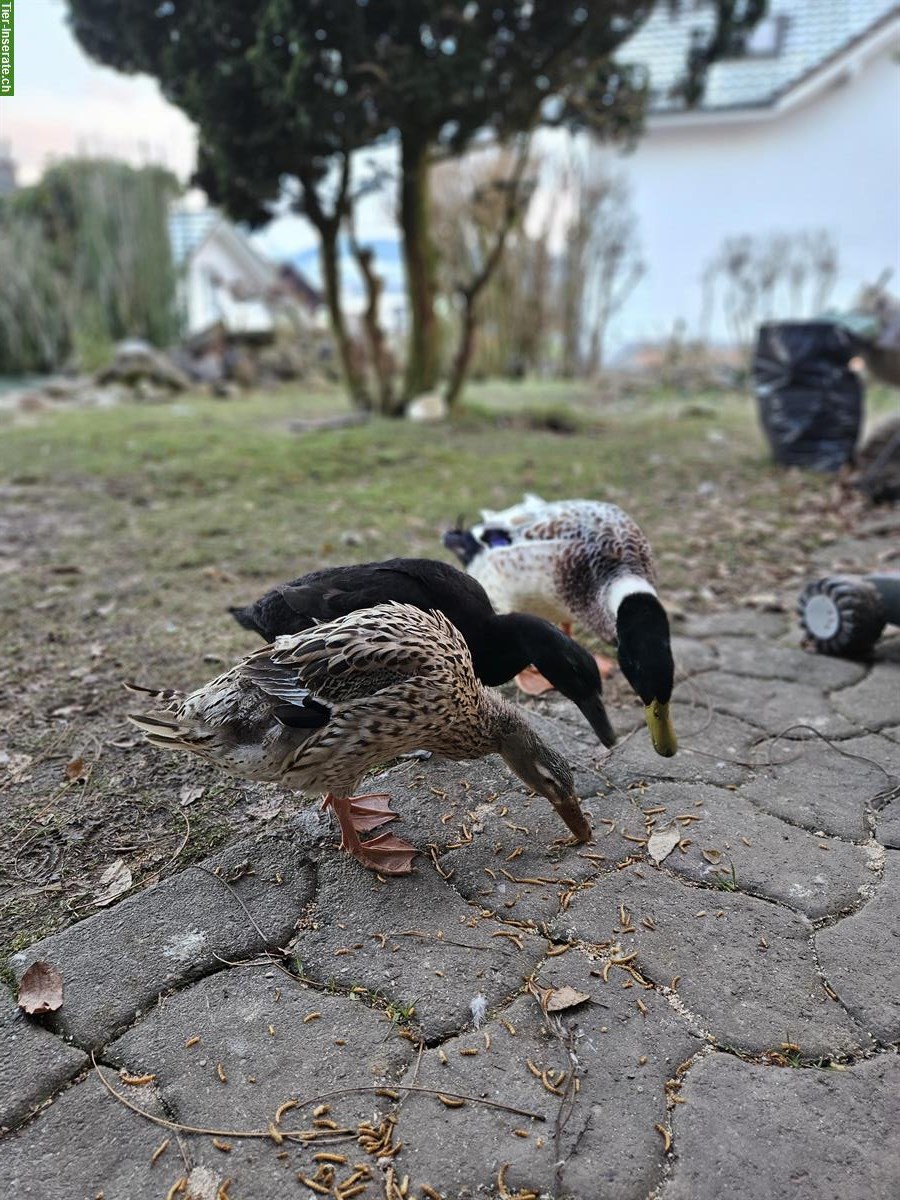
[125,533]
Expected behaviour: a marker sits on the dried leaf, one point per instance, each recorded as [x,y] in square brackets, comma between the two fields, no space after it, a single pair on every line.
[76,770]
[564,997]
[188,795]
[115,880]
[663,842]
[41,988]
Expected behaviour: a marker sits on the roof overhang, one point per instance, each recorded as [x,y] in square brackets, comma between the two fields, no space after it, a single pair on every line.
[840,68]
[263,272]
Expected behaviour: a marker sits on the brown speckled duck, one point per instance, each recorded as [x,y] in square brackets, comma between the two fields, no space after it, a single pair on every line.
[318,710]
[587,561]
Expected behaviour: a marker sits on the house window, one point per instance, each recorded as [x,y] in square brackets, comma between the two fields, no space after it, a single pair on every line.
[765,40]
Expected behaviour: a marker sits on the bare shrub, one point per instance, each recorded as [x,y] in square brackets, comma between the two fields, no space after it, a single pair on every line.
[769,277]
[599,267]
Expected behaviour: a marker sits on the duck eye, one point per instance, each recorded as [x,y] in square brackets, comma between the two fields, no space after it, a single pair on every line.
[496,537]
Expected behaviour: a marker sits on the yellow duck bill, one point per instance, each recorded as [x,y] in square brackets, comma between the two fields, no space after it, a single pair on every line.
[662,731]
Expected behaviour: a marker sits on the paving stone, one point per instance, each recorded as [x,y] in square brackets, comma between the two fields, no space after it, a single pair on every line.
[750,1132]
[739,622]
[33,1063]
[853,556]
[883,749]
[86,1144]
[887,649]
[712,748]
[745,966]
[608,1146]
[252,1021]
[820,787]
[888,827]
[748,977]
[874,703]
[116,963]
[414,941]
[777,706]
[626,711]
[522,875]
[584,751]
[814,875]
[693,655]
[768,660]
[859,957]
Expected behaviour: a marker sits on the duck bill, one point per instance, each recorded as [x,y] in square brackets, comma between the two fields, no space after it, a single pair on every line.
[595,712]
[662,731]
[570,811]
[462,543]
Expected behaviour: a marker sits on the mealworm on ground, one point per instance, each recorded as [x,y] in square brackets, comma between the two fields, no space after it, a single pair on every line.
[283,1108]
[160,1149]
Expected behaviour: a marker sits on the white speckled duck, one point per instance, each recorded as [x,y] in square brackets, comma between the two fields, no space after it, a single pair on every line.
[318,710]
[587,561]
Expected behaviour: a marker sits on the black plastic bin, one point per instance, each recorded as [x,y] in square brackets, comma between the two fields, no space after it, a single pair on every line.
[810,402]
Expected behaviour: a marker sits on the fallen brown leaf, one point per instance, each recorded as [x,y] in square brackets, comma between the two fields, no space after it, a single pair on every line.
[76,770]
[564,997]
[41,988]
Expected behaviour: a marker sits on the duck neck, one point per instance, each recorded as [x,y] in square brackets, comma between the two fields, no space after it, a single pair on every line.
[645,650]
[502,650]
[497,720]
[624,586]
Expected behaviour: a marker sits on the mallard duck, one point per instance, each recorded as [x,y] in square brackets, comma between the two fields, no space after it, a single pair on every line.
[316,711]
[501,646]
[586,561]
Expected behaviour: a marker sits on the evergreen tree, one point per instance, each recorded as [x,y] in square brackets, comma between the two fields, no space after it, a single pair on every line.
[284,91]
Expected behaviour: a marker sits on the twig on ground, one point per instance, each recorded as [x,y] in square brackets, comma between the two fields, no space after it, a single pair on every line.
[226,884]
[184,840]
[305,1103]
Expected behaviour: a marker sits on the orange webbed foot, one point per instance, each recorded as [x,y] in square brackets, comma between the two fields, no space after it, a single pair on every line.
[386,854]
[532,682]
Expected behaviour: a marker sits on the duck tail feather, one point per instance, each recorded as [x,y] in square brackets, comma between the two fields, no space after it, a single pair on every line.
[163,695]
[157,725]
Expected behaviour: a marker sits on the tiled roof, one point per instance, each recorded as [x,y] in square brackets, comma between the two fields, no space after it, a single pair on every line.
[804,35]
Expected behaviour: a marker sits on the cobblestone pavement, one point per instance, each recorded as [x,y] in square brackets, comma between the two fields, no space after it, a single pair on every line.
[722,1024]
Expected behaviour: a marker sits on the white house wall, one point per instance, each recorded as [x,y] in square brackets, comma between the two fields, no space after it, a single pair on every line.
[207,304]
[832,163]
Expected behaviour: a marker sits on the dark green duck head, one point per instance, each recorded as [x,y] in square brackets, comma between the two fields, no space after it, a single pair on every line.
[645,656]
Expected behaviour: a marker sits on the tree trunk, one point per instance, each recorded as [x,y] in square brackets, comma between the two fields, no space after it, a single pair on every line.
[383,365]
[421,283]
[463,358]
[492,259]
[356,383]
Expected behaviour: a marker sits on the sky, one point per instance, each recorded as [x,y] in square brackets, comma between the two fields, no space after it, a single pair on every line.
[67,104]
